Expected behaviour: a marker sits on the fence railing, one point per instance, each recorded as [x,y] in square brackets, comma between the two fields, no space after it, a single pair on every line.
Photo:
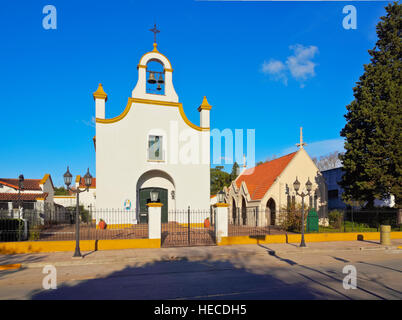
[59,224]
[254,222]
[188,228]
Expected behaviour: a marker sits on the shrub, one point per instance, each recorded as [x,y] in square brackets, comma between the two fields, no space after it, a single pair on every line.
[335,218]
[291,221]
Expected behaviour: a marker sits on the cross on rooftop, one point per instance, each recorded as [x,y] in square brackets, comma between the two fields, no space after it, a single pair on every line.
[301,144]
[155,31]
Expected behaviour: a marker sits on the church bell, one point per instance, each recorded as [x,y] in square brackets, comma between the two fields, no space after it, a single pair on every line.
[151,78]
[160,80]
[159,87]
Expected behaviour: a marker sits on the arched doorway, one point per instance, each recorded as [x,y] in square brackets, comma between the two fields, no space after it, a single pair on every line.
[270,212]
[161,182]
[145,197]
[234,211]
[244,212]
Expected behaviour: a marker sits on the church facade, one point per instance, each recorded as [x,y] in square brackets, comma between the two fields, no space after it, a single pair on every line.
[260,195]
[152,146]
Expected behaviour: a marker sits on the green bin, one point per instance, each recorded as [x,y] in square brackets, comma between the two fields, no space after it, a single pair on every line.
[312,221]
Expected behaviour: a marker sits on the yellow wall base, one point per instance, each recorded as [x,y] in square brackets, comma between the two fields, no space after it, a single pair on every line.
[310,237]
[85,245]
[117,226]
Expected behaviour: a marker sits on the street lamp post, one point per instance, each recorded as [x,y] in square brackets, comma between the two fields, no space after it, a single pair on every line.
[88,181]
[20,187]
[296,186]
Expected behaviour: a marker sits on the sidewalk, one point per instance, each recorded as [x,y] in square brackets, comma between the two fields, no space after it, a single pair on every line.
[38,260]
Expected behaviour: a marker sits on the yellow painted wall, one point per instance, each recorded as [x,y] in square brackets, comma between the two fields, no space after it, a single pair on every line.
[311,237]
[85,245]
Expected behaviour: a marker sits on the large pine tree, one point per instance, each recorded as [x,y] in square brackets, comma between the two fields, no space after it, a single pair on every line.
[372,161]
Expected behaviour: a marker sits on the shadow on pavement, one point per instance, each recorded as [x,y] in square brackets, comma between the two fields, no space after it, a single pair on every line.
[184,279]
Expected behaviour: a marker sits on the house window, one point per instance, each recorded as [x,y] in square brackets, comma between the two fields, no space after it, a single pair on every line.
[155,151]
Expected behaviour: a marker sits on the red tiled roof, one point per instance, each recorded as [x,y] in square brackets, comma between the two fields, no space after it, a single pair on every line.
[29,184]
[24,196]
[82,183]
[264,175]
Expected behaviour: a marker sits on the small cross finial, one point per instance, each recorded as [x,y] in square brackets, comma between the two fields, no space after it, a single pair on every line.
[301,144]
[155,31]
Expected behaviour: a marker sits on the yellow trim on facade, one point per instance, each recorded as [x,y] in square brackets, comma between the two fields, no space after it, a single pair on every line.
[221,205]
[157,102]
[157,53]
[43,181]
[119,117]
[168,70]
[189,123]
[154,204]
[204,105]
[100,93]
[153,102]
[77,179]
[141,66]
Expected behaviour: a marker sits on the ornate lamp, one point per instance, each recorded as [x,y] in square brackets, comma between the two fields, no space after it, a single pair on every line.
[309,185]
[88,179]
[296,185]
[154,196]
[221,197]
[67,178]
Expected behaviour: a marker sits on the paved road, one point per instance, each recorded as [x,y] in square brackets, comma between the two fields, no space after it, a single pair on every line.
[294,275]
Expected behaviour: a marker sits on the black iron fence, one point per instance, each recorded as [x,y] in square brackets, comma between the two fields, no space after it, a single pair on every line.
[59,224]
[188,228]
[255,222]
[362,220]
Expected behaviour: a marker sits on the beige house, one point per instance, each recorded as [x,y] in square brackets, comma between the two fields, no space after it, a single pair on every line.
[259,194]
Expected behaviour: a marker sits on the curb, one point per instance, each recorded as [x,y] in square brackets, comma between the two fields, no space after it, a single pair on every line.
[10,266]
[77,262]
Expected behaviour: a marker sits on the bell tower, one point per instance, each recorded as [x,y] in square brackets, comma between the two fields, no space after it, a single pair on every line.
[155,84]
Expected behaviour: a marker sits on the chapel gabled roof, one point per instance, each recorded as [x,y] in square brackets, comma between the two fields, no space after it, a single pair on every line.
[260,178]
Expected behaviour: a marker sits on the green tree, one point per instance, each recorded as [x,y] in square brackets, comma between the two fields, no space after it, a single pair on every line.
[372,161]
[219,179]
[235,171]
[60,191]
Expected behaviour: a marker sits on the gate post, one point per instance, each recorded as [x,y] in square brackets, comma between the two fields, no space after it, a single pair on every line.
[154,220]
[221,221]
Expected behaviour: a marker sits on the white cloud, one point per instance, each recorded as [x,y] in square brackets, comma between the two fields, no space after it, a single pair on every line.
[299,65]
[276,69]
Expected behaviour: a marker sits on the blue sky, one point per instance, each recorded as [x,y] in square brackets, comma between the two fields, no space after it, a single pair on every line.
[268,66]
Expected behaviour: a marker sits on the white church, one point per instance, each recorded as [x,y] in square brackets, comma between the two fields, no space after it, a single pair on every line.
[151,146]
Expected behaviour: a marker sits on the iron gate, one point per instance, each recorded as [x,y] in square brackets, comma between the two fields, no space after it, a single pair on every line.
[189,228]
